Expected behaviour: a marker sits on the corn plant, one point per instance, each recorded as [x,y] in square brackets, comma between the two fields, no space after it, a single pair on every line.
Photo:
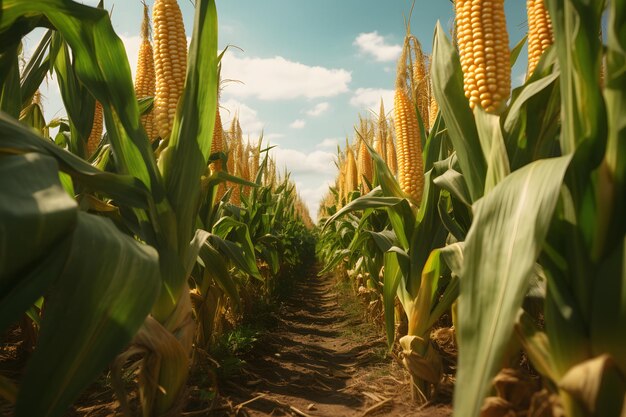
[552,180]
[156,207]
[411,242]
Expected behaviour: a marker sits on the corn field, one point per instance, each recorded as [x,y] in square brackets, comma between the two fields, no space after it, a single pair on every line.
[482,227]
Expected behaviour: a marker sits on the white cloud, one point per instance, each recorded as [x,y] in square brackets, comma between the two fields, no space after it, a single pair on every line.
[328,143]
[318,109]
[249,120]
[373,44]
[369,98]
[313,195]
[272,136]
[278,78]
[297,124]
[312,172]
[301,163]
[227,28]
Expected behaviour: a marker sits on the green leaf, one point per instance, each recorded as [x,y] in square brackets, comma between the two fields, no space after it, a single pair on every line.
[222,176]
[396,265]
[77,101]
[454,106]
[35,212]
[243,259]
[8,390]
[337,257]
[192,132]
[531,122]
[576,25]
[536,345]
[427,235]
[453,182]
[384,177]
[494,149]
[100,63]
[374,199]
[96,307]
[609,307]
[509,228]
[16,138]
[215,267]
[453,257]
[384,240]
[35,70]
[419,314]
[615,97]
[34,282]
[516,50]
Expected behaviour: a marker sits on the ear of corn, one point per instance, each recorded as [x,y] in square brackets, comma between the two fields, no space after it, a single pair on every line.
[391,159]
[410,164]
[409,154]
[256,160]
[539,32]
[363,157]
[340,183]
[483,43]
[217,143]
[364,166]
[37,97]
[381,133]
[420,82]
[434,108]
[245,167]
[170,62]
[351,179]
[235,158]
[145,78]
[96,131]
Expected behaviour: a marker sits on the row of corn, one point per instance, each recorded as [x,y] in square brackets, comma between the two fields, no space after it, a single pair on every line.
[482,237]
[195,226]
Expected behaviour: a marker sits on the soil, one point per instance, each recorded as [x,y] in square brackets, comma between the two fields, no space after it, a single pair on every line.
[322,359]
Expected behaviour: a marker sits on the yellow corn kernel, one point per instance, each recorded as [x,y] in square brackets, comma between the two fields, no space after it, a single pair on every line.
[217,143]
[483,43]
[145,78]
[391,160]
[410,164]
[434,108]
[340,184]
[381,133]
[364,160]
[539,32]
[170,62]
[408,136]
[256,160]
[96,131]
[351,179]
[420,82]
[245,168]
[37,97]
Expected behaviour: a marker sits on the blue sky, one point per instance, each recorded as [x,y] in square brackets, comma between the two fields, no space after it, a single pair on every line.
[307,69]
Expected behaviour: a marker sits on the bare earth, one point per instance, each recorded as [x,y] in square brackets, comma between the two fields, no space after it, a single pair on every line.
[321,360]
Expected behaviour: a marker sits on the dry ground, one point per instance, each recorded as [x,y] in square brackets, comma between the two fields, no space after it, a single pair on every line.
[322,359]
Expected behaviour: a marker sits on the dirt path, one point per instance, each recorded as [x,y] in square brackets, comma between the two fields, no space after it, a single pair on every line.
[321,360]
